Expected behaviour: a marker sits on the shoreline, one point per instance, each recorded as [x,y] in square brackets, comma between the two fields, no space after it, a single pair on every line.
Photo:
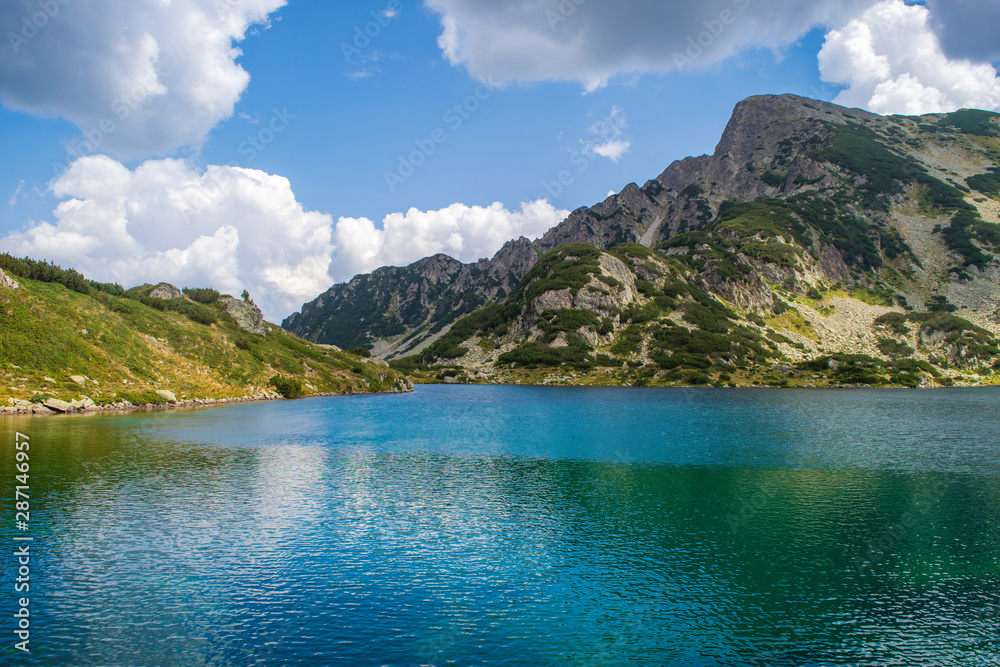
[39,410]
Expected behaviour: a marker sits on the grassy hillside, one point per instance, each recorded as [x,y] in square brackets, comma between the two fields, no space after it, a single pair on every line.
[128,344]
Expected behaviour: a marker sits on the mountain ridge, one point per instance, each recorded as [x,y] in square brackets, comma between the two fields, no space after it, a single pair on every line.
[898,205]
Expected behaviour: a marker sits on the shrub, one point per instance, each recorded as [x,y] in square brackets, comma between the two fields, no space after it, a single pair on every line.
[893,348]
[894,321]
[286,386]
[629,341]
[566,320]
[205,295]
[142,398]
[362,352]
[537,353]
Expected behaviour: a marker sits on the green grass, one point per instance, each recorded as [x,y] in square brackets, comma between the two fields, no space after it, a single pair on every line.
[129,347]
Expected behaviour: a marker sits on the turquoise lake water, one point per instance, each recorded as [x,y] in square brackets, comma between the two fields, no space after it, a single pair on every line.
[516,526]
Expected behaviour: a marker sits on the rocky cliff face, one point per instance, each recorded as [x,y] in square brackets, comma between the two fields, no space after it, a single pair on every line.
[395,310]
[813,219]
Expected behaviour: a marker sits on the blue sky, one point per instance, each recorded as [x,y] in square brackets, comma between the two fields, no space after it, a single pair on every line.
[278,168]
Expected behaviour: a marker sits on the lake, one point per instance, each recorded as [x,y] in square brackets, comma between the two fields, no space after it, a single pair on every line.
[516,526]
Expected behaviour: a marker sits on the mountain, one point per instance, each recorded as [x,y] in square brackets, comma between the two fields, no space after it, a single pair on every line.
[817,245]
[66,340]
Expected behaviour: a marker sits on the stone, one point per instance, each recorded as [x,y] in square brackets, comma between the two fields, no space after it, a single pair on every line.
[48,379]
[78,379]
[42,410]
[166,291]
[168,395]
[87,401]
[7,282]
[248,316]
[57,405]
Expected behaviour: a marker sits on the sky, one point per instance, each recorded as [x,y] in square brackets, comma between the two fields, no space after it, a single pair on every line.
[282,146]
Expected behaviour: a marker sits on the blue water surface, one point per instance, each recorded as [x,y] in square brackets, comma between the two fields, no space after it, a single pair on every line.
[519,526]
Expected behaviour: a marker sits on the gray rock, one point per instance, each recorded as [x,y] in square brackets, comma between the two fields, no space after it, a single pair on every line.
[169,395]
[42,410]
[48,379]
[248,316]
[78,379]
[7,282]
[166,291]
[57,405]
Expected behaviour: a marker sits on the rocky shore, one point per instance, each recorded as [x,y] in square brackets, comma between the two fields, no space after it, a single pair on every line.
[84,404]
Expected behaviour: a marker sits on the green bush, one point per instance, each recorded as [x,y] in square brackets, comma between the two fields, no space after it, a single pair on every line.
[629,341]
[362,352]
[286,386]
[205,295]
[894,321]
[537,353]
[893,348]
[566,320]
[142,398]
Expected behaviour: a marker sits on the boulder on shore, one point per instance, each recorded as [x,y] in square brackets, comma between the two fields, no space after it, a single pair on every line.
[57,405]
[168,395]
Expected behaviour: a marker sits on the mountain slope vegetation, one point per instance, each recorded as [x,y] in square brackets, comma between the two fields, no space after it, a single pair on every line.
[817,245]
[62,336]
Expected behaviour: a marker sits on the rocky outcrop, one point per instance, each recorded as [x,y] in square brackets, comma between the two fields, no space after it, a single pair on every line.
[6,282]
[248,316]
[166,291]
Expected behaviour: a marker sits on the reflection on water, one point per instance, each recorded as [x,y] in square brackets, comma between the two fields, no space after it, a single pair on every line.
[503,526]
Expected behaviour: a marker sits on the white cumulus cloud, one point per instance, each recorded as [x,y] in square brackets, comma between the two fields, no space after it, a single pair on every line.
[139,78]
[234,228]
[591,42]
[467,233]
[226,227]
[891,61]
